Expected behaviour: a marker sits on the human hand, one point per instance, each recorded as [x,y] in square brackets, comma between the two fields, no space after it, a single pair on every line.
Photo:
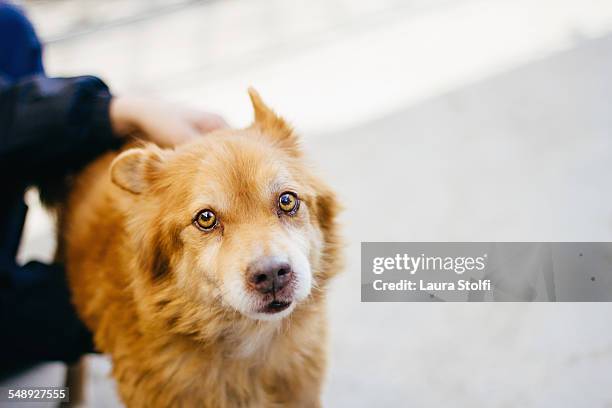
[160,123]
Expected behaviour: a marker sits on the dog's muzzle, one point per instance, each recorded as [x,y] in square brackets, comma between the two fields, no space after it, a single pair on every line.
[274,280]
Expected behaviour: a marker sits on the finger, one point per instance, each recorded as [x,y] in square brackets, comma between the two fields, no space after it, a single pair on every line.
[209,122]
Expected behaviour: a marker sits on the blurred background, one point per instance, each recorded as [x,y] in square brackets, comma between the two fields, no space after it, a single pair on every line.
[436,120]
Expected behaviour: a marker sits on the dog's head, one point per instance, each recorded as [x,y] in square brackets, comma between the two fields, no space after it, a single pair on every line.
[235,221]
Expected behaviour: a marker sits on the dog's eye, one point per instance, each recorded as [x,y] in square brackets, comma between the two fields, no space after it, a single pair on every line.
[205,220]
[288,202]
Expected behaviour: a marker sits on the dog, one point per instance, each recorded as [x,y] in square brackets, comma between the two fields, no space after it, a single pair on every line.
[202,270]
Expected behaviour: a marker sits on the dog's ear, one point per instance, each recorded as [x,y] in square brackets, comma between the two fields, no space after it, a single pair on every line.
[326,209]
[272,125]
[134,169]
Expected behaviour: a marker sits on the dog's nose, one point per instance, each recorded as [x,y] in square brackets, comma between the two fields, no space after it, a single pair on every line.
[269,275]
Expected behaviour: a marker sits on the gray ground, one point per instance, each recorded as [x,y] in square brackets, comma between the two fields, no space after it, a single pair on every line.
[457,120]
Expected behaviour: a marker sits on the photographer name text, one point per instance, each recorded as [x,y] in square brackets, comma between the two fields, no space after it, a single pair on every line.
[411,285]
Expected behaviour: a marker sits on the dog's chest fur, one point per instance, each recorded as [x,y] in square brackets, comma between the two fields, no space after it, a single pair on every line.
[230,373]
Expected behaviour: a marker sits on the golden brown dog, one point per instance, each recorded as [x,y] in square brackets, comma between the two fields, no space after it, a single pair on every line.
[202,270]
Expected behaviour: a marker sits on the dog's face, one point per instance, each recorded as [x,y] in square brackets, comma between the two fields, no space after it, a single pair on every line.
[234,221]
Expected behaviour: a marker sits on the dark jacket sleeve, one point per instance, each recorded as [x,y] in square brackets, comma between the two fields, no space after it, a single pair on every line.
[52,126]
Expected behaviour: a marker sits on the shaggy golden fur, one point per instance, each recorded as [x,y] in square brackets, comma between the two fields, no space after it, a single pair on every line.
[169,301]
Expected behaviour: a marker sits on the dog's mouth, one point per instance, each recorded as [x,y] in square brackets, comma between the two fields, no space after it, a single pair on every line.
[276,306]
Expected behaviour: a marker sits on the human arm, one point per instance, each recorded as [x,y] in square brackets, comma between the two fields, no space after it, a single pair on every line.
[52,126]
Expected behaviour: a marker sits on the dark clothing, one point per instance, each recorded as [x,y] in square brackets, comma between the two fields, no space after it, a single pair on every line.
[48,128]
[51,126]
[20,49]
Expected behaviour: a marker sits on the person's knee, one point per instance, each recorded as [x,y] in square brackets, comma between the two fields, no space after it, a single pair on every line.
[12,19]
[20,48]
